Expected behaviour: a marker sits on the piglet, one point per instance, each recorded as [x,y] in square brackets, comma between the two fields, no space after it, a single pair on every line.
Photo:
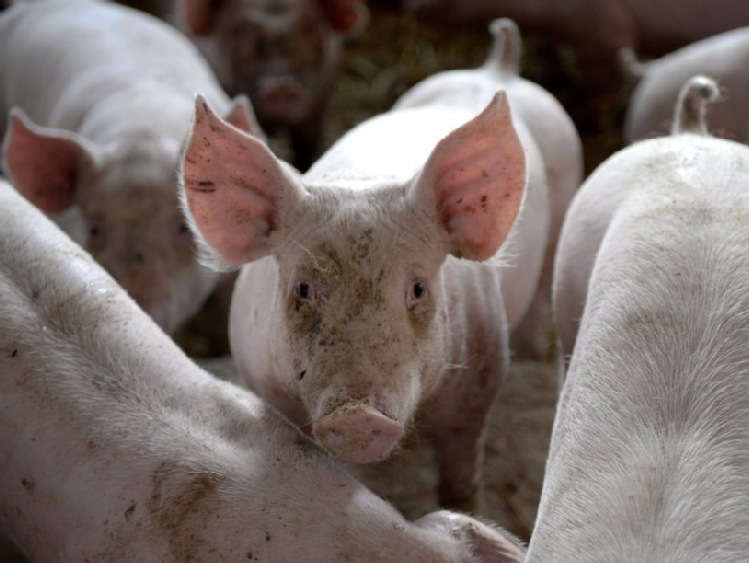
[724,58]
[284,54]
[649,457]
[94,133]
[118,448]
[363,308]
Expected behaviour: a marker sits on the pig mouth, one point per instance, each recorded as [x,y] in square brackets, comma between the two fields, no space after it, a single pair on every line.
[357,433]
[281,100]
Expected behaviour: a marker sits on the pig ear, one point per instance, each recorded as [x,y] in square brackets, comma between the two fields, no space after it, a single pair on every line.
[476,177]
[43,164]
[242,116]
[233,188]
[200,15]
[347,17]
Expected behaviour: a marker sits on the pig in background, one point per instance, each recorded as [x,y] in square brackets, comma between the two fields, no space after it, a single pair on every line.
[561,151]
[94,133]
[649,457]
[284,54]
[116,447]
[596,30]
[724,58]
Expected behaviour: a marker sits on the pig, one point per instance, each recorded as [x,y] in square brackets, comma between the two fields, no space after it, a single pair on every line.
[284,54]
[94,134]
[116,447]
[362,308]
[724,58]
[561,151]
[597,30]
[648,458]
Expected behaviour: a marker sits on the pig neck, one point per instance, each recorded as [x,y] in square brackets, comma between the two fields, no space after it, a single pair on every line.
[649,459]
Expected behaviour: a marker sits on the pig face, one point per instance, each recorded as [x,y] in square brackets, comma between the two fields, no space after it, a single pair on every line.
[121,205]
[360,324]
[277,52]
[282,53]
[359,293]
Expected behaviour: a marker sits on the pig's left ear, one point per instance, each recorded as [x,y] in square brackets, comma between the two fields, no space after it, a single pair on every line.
[234,191]
[242,116]
[475,177]
[347,17]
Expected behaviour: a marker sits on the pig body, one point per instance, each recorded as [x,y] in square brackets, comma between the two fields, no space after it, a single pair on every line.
[598,29]
[116,447]
[725,58]
[560,149]
[284,54]
[353,313]
[98,139]
[648,458]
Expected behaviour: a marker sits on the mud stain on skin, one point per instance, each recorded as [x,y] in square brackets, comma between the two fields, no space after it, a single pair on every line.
[177,493]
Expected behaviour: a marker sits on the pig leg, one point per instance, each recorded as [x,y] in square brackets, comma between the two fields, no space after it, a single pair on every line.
[457,431]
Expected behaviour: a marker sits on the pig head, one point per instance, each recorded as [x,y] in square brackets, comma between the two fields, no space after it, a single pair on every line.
[284,54]
[349,324]
[119,202]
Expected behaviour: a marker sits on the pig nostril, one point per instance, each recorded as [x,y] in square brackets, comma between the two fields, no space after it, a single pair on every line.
[301,375]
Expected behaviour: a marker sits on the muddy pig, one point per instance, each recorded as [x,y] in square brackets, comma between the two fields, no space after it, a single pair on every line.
[116,447]
[283,53]
[363,308]
[94,134]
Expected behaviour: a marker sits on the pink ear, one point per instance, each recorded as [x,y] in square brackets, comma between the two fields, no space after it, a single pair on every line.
[346,16]
[233,186]
[477,177]
[42,163]
[242,116]
[201,15]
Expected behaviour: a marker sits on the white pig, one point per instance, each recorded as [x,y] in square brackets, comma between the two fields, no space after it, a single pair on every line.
[649,457]
[115,447]
[561,150]
[724,58]
[355,314]
[100,98]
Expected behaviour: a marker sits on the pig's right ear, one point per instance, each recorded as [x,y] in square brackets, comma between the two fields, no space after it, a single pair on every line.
[233,188]
[200,15]
[43,164]
[473,182]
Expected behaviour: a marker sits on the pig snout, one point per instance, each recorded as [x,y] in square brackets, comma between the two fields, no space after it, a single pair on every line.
[281,99]
[357,434]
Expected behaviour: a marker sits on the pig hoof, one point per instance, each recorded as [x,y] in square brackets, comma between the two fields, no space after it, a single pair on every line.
[360,435]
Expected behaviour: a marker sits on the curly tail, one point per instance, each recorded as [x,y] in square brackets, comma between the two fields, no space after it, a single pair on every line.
[507,47]
[694,97]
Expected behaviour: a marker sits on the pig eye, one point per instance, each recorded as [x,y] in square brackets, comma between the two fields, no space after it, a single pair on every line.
[418,291]
[304,291]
